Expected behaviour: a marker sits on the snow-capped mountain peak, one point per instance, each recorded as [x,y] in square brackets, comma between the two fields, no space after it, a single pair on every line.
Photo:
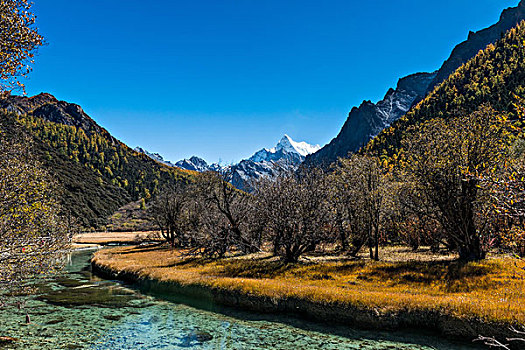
[303,148]
[287,154]
[285,147]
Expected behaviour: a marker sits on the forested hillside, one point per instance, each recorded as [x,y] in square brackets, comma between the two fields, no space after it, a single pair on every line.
[98,173]
[496,76]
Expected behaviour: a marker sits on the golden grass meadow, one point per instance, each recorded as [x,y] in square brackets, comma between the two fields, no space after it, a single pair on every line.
[492,290]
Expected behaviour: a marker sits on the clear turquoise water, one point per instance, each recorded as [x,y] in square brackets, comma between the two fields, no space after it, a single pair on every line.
[81,311]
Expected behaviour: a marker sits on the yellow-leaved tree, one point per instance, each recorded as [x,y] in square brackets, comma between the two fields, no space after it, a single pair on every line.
[451,160]
[34,234]
[19,41]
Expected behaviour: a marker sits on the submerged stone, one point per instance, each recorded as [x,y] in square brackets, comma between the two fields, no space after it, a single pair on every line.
[102,297]
[113,317]
[7,340]
[55,321]
[69,282]
[200,336]
[195,337]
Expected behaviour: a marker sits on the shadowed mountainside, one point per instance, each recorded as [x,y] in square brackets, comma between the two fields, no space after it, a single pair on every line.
[97,172]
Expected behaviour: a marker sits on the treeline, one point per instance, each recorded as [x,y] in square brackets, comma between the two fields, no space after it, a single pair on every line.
[110,159]
[458,185]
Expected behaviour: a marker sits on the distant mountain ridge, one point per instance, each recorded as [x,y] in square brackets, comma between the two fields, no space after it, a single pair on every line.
[197,164]
[477,41]
[369,119]
[287,154]
[494,77]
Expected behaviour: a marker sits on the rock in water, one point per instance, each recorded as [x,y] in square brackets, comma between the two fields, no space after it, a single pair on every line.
[202,336]
[196,336]
[7,340]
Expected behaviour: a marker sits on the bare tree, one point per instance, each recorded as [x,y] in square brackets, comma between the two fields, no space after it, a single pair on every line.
[296,212]
[171,212]
[347,207]
[213,238]
[225,211]
[416,216]
[364,192]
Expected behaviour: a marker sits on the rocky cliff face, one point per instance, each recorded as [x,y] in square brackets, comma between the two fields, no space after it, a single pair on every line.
[366,121]
[369,119]
[47,107]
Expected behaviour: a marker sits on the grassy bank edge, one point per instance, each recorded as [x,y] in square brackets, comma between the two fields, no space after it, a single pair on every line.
[362,316]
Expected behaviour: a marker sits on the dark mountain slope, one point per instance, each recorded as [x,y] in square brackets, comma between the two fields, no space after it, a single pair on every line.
[369,119]
[98,173]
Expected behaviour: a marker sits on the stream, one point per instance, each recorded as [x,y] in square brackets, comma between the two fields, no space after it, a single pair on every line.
[78,310]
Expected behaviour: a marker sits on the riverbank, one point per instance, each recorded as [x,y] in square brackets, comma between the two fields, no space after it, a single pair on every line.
[96,239]
[78,310]
[457,300]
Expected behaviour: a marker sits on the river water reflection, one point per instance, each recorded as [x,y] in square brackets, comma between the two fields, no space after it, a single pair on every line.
[82,311]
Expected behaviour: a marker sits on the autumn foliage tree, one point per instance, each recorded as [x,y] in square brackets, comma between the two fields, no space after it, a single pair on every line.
[508,190]
[34,234]
[19,41]
[449,158]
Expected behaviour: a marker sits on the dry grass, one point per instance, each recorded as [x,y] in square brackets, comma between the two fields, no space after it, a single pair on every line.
[493,290]
[96,238]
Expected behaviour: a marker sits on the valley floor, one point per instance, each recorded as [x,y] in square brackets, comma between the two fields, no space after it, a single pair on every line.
[87,239]
[405,290]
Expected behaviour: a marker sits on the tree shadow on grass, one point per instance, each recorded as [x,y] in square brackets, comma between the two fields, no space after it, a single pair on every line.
[450,276]
[243,268]
[189,262]
[143,248]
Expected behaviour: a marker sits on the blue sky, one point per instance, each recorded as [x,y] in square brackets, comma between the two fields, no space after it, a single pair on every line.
[222,79]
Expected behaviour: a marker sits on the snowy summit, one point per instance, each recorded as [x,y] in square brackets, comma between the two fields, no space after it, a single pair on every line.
[285,146]
[287,154]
